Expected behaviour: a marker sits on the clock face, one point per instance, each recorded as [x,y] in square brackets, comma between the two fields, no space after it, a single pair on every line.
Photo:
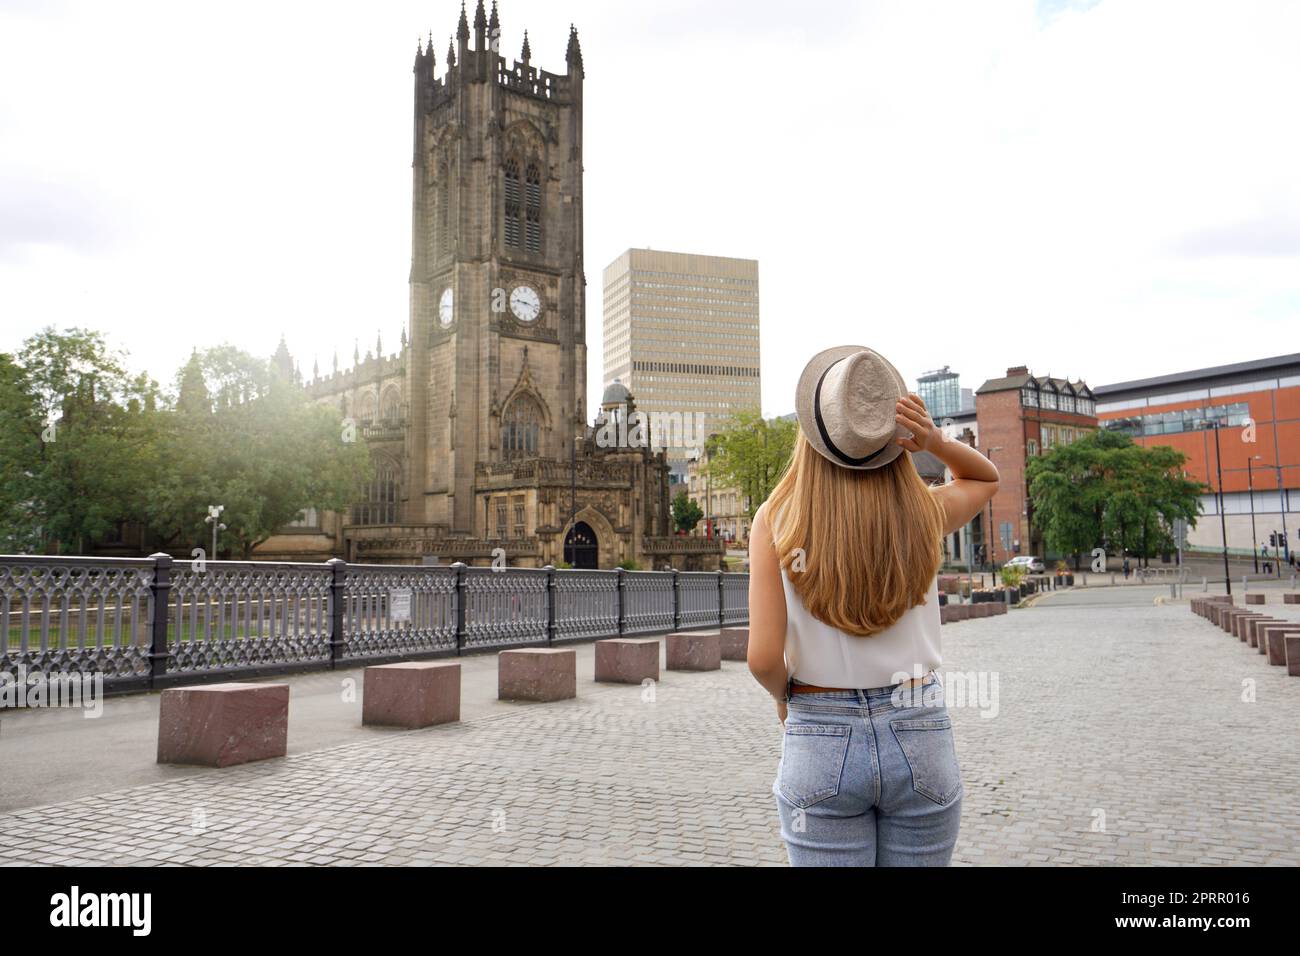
[444,308]
[525,303]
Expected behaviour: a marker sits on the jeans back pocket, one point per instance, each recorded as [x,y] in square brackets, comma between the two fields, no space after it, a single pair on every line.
[812,762]
[927,743]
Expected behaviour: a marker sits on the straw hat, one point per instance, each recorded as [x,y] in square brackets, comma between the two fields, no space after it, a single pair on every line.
[845,404]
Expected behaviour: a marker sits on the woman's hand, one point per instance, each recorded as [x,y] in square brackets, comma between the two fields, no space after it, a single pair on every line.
[911,413]
[781,711]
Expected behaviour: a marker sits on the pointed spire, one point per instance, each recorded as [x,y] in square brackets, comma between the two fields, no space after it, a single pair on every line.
[336,360]
[574,55]
[528,53]
[403,338]
[480,26]
[462,30]
[315,368]
[282,359]
[356,352]
[494,25]
[451,53]
[379,344]
[193,395]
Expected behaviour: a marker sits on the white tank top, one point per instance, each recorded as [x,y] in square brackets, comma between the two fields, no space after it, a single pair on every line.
[816,653]
[825,656]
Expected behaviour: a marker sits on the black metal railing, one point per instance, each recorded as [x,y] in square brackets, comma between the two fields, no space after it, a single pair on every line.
[148,623]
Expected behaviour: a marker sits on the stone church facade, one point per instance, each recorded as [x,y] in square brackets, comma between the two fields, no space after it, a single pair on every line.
[477,426]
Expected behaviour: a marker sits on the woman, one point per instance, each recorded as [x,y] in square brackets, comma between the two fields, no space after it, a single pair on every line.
[844,619]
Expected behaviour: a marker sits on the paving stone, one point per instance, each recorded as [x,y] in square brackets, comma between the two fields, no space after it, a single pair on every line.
[1090,716]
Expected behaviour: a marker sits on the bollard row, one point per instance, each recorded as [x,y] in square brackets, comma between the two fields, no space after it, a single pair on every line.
[221,725]
[1278,640]
[949,613]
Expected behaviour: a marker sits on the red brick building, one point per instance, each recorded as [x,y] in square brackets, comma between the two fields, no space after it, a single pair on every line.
[1018,416]
[1255,409]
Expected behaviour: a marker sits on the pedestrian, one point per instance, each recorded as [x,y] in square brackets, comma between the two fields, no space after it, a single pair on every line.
[1127,567]
[844,619]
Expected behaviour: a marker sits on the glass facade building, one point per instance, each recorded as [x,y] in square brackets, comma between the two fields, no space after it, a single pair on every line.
[941,392]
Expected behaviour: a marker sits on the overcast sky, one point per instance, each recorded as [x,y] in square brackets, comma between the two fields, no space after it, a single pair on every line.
[1105,190]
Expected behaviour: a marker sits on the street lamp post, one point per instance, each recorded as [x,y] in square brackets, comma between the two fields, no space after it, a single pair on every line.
[1284,551]
[1281,506]
[1250,490]
[989,555]
[214,519]
[1223,521]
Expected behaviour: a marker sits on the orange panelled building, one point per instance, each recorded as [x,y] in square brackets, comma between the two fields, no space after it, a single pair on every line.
[1253,408]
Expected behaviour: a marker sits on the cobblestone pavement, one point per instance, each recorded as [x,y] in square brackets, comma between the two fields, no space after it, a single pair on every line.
[1121,737]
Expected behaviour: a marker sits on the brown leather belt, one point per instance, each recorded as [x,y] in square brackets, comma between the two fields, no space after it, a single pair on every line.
[813,689]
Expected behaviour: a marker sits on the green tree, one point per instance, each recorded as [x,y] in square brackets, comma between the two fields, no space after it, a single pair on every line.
[87,449]
[749,453]
[686,513]
[96,457]
[258,447]
[192,397]
[1105,491]
[20,452]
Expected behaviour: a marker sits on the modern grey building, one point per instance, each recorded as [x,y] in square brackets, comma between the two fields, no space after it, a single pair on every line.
[681,332]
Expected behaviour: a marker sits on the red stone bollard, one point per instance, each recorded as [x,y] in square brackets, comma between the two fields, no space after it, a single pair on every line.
[735,643]
[1291,645]
[1227,615]
[694,651]
[411,694]
[1253,626]
[220,725]
[1273,638]
[1239,623]
[540,674]
[627,660]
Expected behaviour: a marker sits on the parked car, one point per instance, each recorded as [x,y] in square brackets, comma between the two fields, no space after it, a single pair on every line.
[1031,563]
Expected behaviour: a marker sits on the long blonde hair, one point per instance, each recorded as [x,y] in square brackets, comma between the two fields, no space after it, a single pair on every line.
[860,546]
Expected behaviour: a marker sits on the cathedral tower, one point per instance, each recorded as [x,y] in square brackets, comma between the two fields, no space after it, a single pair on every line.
[497,357]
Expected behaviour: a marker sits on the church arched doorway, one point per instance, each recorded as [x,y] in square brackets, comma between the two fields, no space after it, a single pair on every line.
[580,549]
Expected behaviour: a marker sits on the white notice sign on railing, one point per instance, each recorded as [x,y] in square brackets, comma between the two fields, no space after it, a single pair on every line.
[399,605]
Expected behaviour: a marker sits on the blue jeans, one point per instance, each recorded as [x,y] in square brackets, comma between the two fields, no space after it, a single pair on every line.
[869,778]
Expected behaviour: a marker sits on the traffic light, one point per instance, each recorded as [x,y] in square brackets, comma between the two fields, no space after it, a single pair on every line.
[1272,539]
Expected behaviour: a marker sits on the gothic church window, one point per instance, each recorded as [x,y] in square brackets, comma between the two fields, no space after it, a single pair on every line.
[533,224]
[444,208]
[520,428]
[513,207]
[378,501]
